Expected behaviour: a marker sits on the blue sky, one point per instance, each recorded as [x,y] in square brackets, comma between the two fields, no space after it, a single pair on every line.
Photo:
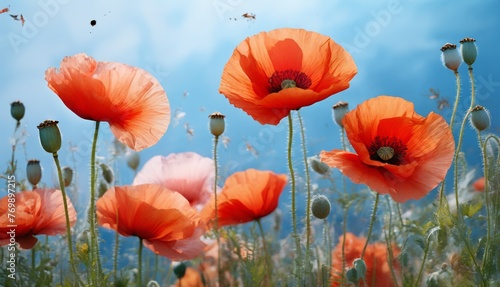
[395,45]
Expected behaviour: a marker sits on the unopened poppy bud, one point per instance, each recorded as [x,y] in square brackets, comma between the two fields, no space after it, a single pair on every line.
[50,136]
[180,270]
[451,56]
[34,172]
[107,173]
[360,266]
[318,166]
[480,118]
[133,159]
[17,110]
[352,275]
[469,50]
[320,206]
[102,188]
[217,124]
[67,174]
[340,109]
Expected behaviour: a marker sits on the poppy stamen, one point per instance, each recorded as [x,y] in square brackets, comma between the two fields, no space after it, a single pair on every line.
[387,150]
[288,79]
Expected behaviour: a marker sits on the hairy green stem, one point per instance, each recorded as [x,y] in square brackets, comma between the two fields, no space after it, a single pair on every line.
[266,251]
[486,198]
[66,215]
[294,208]
[95,263]
[216,228]
[346,209]
[117,246]
[388,240]
[426,251]
[457,99]
[139,267]
[372,221]
[308,184]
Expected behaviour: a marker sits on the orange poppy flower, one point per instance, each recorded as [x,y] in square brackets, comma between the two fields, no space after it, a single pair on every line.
[479,184]
[399,152]
[246,196]
[130,99]
[40,211]
[378,272]
[274,72]
[165,221]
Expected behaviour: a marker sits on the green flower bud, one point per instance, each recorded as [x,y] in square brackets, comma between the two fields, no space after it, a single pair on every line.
[34,172]
[101,188]
[17,110]
[180,270]
[67,174]
[50,136]
[352,275]
[320,206]
[107,173]
[480,118]
[469,50]
[451,56]
[217,124]
[340,109]
[318,166]
[133,159]
[360,266]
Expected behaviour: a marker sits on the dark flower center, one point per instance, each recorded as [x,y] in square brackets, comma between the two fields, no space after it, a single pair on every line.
[288,79]
[387,150]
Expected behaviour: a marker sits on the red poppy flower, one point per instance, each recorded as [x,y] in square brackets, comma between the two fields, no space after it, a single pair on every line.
[188,173]
[128,98]
[40,211]
[165,221]
[399,152]
[378,272]
[479,184]
[274,72]
[246,196]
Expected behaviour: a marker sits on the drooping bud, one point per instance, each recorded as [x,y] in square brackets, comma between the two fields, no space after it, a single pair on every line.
[133,160]
[339,110]
[50,136]
[480,118]
[101,188]
[360,266]
[107,173]
[17,111]
[451,56]
[217,123]
[469,50]
[318,166]
[67,174]
[180,270]
[34,172]
[352,275]
[320,206]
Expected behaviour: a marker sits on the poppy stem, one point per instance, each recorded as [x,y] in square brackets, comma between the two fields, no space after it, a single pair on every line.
[308,184]
[345,207]
[117,246]
[388,240]
[486,256]
[298,262]
[66,215]
[457,98]
[372,220]
[92,218]
[216,226]
[139,267]
[266,252]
